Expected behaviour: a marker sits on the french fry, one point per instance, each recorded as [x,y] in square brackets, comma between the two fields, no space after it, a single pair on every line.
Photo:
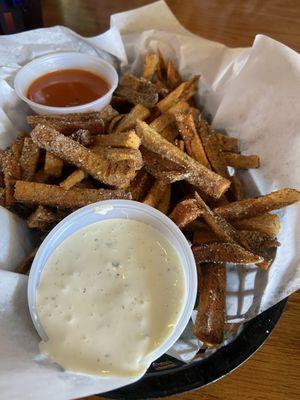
[83,136]
[11,172]
[127,139]
[114,122]
[140,185]
[99,167]
[161,122]
[128,121]
[75,177]
[185,212]
[138,91]
[155,193]
[161,69]
[183,92]
[210,319]
[17,147]
[228,143]
[266,223]
[212,149]
[164,203]
[193,144]
[180,107]
[259,205]
[170,132]
[173,77]
[206,180]
[118,155]
[224,253]
[55,196]
[240,161]
[25,265]
[151,63]
[53,165]
[256,240]
[237,188]
[195,114]
[223,230]
[29,159]
[167,176]
[41,218]
[94,122]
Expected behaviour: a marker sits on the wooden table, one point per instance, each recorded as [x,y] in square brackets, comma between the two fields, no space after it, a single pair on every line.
[273,373]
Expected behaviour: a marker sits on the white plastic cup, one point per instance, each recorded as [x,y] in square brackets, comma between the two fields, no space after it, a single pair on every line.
[112,209]
[59,61]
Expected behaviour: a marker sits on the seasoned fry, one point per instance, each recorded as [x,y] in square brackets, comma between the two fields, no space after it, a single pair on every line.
[228,143]
[161,122]
[53,165]
[140,185]
[77,176]
[224,253]
[138,91]
[209,324]
[193,144]
[185,212]
[98,166]
[83,136]
[223,230]
[180,107]
[206,180]
[12,172]
[259,205]
[161,70]
[127,139]
[170,132]
[113,123]
[155,193]
[17,147]
[94,122]
[41,218]
[151,63]
[25,265]
[128,121]
[118,155]
[173,77]
[183,92]
[267,223]
[237,188]
[29,159]
[212,149]
[256,240]
[240,161]
[55,196]
[164,203]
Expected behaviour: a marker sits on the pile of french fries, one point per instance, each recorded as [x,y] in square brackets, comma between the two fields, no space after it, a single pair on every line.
[151,145]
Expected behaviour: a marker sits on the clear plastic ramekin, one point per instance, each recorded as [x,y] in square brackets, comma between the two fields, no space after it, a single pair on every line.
[59,61]
[112,209]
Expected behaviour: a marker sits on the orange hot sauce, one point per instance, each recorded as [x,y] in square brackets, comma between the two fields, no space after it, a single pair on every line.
[67,88]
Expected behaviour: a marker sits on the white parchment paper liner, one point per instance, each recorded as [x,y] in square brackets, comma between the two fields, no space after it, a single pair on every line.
[253,93]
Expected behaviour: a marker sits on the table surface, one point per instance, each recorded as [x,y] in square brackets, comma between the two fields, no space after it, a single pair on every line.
[273,373]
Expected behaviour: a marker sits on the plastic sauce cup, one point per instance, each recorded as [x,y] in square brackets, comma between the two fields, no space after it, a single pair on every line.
[112,209]
[59,61]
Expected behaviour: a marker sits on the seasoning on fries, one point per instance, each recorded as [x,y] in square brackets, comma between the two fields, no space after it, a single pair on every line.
[159,151]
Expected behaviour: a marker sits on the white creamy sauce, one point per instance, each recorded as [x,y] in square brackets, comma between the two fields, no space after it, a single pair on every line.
[109,295]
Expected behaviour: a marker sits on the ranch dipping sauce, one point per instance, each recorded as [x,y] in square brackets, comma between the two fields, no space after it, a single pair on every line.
[108,296]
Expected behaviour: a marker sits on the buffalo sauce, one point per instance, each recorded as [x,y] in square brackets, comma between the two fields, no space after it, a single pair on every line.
[67,88]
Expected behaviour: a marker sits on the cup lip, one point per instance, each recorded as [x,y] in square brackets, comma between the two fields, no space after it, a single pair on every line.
[56,110]
[189,269]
